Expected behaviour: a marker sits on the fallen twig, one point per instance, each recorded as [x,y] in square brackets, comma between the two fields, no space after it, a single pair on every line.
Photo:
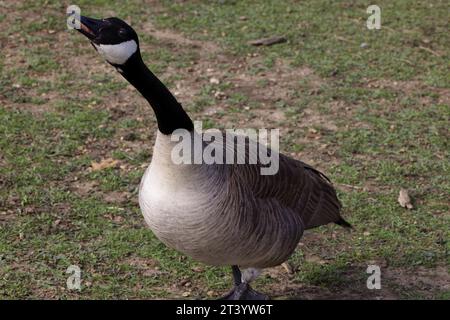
[268,41]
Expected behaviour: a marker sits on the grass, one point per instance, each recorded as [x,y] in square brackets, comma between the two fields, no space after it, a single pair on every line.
[381,112]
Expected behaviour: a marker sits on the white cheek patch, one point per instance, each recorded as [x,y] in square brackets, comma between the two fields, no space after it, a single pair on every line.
[117,53]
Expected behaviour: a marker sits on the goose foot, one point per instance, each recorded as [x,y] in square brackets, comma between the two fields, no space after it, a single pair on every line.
[243,291]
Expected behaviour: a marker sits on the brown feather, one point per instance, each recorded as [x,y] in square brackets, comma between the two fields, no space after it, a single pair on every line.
[296,186]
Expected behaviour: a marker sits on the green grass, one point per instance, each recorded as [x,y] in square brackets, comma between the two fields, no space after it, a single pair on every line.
[62,108]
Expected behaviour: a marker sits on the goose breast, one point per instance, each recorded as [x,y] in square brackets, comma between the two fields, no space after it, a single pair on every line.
[209,214]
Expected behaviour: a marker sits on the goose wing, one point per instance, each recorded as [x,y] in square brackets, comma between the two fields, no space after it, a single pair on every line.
[296,186]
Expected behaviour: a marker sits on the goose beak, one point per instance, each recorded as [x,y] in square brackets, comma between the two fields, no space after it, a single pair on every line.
[90,27]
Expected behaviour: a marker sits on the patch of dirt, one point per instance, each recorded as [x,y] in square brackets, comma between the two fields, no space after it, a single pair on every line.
[84,188]
[166,35]
[396,283]
[116,197]
[421,279]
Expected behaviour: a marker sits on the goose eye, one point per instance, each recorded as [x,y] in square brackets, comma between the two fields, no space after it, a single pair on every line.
[122,33]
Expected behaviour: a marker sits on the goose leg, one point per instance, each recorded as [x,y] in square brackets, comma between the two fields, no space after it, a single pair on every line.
[242,290]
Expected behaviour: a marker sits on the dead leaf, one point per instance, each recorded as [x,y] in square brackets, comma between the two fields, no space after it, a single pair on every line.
[404,200]
[103,164]
[288,267]
[56,222]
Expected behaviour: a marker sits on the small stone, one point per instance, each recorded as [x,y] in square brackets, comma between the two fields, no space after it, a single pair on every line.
[214,81]
[219,95]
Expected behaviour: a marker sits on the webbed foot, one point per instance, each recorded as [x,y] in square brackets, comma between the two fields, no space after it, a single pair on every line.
[243,291]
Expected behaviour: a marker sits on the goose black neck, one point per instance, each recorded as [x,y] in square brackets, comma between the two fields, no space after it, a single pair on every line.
[169,112]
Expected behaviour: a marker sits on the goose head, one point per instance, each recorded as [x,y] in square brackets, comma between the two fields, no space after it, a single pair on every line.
[113,38]
[118,43]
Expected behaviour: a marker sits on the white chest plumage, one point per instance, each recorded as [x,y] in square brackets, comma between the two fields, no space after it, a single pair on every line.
[178,202]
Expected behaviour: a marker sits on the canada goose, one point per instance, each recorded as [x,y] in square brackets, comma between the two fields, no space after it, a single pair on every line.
[219,214]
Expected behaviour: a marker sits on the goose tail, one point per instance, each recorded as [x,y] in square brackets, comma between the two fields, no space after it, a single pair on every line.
[344,223]
[328,207]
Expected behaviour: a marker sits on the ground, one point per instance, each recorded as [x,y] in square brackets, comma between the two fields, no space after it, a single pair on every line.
[370,108]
